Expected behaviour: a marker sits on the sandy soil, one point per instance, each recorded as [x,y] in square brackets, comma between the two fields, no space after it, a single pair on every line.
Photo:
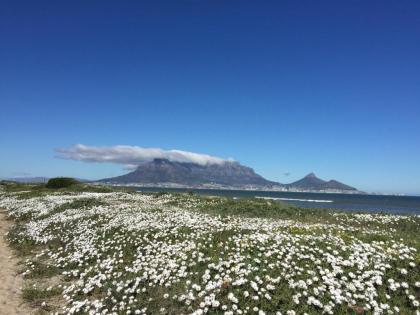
[10,282]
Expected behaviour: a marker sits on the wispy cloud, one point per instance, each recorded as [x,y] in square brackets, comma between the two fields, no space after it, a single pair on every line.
[131,156]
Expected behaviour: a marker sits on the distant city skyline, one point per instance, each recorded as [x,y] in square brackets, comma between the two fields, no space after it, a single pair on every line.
[287,88]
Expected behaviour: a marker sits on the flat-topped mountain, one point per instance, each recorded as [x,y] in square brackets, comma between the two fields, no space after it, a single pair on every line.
[227,175]
[163,171]
[312,182]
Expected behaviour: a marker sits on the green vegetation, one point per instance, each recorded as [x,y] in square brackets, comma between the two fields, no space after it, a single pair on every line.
[61,182]
[159,251]
[22,244]
[32,294]
[27,191]
[260,208]
[83,203]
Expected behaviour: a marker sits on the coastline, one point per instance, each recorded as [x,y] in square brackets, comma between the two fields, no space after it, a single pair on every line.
[395,204]
[233,188]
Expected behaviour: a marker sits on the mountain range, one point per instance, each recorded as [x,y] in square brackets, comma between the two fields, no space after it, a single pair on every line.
[226,175]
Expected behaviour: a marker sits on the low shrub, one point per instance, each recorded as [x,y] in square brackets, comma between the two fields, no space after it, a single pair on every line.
[61,182]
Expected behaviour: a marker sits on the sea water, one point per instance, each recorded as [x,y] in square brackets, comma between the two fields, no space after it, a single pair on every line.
[349,202]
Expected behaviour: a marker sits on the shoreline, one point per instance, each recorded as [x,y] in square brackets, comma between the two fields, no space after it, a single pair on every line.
[163,186]
[345,202]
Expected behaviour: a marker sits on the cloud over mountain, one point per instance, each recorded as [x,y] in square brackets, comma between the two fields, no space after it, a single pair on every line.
[132,156]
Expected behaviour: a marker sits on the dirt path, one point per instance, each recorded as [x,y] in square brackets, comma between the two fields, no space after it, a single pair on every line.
[10,282]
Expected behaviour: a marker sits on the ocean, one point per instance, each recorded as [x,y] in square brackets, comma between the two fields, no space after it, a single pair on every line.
[347,202]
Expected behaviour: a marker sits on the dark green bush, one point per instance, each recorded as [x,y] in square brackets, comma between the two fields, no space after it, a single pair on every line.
[61,182]
[80,203]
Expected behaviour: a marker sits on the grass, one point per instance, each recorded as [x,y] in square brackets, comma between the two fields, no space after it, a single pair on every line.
[41,270]
[33,294]
[37,190]
[21,244]
[82,203]
[260,208]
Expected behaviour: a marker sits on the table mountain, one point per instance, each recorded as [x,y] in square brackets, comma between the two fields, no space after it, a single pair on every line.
[166,173]
[160,171]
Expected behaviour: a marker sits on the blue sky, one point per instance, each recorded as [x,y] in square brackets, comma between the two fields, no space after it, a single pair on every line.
[331,87]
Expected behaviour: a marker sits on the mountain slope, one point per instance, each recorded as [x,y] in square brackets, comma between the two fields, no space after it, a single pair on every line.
[161,171]
[308,182]
[312,182]
[333,184]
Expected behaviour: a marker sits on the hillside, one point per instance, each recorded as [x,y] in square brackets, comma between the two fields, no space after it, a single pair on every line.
[161,171]
[312,182]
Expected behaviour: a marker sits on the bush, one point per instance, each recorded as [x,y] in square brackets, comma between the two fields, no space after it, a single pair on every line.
[61,182]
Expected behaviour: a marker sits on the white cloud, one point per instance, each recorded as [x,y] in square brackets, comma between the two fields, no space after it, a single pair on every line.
[132,156]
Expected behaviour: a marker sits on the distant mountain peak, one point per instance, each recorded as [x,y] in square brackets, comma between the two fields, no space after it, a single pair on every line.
[312,182]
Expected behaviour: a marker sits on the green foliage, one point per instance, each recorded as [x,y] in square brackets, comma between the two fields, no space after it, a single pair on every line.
[28,191]
[32,294]
[61,182]
[82,203]
[23,245]
[261,208]
[160,194]
[9,186]
[90,188]
[42,270]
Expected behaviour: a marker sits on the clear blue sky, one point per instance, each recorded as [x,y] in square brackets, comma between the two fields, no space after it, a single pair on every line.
[331,87]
